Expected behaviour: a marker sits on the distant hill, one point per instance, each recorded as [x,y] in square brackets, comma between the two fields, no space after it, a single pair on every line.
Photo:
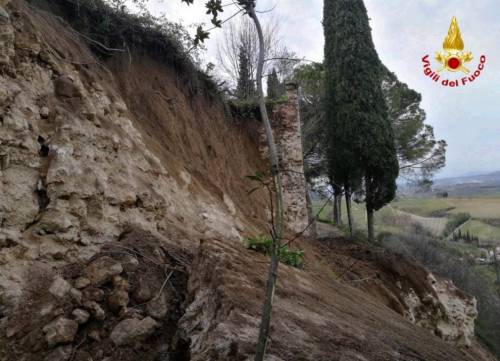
[469,185]
[489,178]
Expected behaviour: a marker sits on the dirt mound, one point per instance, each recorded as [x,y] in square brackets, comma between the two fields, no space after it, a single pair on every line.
[144,297]
[317,315]
[404,286]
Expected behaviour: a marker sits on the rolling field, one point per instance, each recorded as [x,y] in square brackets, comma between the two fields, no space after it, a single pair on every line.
[435,225]
[432,214]
[427,207]
[487,234]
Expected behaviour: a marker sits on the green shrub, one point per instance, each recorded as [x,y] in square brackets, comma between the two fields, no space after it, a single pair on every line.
[454,222]
[294,258]
[248,109]
[260,243]
[263,244]
[383,235]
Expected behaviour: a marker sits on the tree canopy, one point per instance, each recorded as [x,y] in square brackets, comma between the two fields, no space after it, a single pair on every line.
[360,138]
[420,154]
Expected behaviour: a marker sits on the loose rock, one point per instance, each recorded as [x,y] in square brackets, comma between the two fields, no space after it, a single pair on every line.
[142,292]
[93,294]
[64,87]
[4,16]
[82,282]
[95,309]
[46,309]
[44,112]
[95,335]
[129,263]
[81,316]
[117,300]
[158,306]
[132,330]
[120,283]
[61,353]
[60,287]
[76,295]
[60,330]
[81,355]
[102,270]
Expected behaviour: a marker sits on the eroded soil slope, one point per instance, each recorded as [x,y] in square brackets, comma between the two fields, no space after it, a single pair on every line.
[123,204]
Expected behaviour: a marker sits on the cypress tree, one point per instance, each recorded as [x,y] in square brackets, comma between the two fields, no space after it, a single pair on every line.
[245,88]
[360,141]
[273,85]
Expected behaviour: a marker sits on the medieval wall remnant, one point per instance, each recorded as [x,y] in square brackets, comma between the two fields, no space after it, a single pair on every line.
[285,121]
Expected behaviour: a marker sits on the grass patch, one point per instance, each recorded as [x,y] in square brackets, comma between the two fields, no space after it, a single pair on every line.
[263,244]
[425,207]
[481,207]
[454,222]
[488,235]
[401,216]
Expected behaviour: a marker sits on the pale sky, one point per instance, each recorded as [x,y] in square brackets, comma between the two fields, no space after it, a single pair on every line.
[404,31]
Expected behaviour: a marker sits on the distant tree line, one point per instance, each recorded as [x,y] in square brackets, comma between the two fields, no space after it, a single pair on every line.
[465,236]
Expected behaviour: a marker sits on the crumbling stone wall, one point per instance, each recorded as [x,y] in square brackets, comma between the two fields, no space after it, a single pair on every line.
[285,120]
[79,162]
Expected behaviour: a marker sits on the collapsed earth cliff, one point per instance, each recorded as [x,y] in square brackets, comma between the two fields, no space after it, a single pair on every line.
[123,206]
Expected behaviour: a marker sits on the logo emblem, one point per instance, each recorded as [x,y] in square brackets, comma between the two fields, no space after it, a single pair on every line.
[454,60]
[453,57]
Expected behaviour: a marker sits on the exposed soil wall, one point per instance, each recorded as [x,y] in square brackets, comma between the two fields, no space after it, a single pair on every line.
[123,203]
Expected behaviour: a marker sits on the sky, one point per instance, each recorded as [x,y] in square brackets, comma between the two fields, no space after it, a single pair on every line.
[468,118]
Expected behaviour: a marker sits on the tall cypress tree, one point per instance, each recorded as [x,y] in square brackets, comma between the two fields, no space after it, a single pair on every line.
[273,85]
[245,87]
[360,142]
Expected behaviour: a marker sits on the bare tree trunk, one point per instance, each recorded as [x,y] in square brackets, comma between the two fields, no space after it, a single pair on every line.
[336,209]
[339,207]
[371,230]
[337,203]
[278,217]
[310,214]
[348,205]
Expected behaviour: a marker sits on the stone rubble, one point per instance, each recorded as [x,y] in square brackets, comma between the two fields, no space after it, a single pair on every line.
[102,270]
[81,316]
[60,330]
[132,330]
[60,287]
